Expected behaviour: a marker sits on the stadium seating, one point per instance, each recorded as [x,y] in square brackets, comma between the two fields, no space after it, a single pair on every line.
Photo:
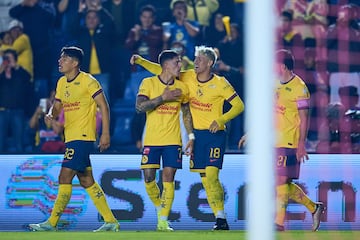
[122,113]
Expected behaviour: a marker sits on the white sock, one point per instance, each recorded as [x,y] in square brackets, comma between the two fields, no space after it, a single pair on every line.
[220,214]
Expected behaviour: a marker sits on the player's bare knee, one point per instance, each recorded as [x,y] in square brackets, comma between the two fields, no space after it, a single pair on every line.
[149,175]
[64,179]
[86,182]
[280,180]
[149,179]
[168,177]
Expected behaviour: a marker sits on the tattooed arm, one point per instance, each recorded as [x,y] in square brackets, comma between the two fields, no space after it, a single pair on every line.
[187,118]
[143,104]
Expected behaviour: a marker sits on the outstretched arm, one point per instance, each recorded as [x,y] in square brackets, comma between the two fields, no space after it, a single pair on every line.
[148,65]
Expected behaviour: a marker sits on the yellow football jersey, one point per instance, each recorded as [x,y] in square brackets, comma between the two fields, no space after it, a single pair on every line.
[77,98]
[207,98]
[289,98]
[162,124]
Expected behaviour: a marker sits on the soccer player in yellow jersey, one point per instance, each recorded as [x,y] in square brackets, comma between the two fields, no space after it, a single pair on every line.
[207,93]
[291,112]
[162,97]
[79,94]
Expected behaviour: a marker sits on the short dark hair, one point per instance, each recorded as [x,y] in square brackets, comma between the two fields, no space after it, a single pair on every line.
[92,11]
[148,8]
[73,52]
[287,14]
[285,57]
[350,91]
[12,52]
[178,2]
[167,55]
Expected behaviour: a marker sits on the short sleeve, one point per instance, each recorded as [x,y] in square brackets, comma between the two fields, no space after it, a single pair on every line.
[58,90]
[303,97]
[228,91]
[144,89]
[185,94]
[94,87]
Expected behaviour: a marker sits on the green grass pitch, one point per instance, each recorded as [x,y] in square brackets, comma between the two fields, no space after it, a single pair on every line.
[177,235]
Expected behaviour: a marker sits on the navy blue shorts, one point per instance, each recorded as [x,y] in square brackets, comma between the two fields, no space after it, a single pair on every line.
[77,155]
[171,156]
[209,149]
[286,163]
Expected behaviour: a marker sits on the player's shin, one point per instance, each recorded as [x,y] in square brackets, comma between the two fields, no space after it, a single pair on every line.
[282,198]
[298,195]
[209,195]
[167,198]
[153,192]
[98,197]
[62,199]
[216,190]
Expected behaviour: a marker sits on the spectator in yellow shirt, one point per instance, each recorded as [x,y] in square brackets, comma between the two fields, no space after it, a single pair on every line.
[21,44]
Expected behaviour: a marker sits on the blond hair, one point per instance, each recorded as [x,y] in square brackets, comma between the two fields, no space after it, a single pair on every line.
[209,52]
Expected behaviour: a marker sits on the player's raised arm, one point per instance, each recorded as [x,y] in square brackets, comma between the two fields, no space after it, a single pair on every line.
[152,67]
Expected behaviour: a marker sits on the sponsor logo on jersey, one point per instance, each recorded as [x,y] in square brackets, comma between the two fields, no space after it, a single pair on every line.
[146,151]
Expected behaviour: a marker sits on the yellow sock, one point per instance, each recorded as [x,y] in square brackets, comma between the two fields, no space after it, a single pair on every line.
[216,190]
[282,199]
[98,197]
[167,198]
[208,194]
[62,199]
[153,192]
[298,195]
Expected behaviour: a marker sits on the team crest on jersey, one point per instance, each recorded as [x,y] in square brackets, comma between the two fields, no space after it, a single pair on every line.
[67,94]
[179,36]
[199,92]
[144,159]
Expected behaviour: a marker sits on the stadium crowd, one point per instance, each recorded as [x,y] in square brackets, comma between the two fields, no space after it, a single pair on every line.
[323,35]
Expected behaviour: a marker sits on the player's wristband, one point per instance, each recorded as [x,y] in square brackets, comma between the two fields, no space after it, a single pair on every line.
[191,136]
